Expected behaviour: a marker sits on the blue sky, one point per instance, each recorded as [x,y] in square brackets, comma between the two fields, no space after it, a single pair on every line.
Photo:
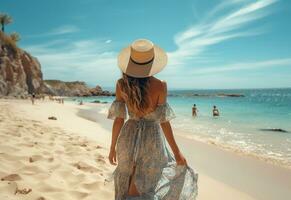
[211,44]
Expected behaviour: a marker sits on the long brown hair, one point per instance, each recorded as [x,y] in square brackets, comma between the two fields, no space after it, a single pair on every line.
[135,93]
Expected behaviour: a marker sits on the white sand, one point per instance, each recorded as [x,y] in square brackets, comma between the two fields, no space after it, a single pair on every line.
[67,159]
[47,157]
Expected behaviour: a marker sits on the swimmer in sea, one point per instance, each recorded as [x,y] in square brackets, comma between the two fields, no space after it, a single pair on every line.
[194,110]
[215,111]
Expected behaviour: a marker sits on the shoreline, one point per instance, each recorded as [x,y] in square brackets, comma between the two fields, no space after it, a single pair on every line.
[222,174]
[250,171]
[91,114]
[238,151]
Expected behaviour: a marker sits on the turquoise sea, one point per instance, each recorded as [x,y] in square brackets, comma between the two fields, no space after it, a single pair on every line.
[241,122]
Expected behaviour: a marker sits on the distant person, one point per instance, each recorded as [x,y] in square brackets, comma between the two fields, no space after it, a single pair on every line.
[81,103]
[194,110]
[33,98]
[215,111]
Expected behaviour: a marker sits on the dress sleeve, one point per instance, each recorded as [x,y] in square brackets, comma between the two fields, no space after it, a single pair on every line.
[165,113]
[117,110]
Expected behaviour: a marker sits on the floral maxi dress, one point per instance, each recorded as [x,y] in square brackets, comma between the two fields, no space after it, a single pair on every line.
[142,144]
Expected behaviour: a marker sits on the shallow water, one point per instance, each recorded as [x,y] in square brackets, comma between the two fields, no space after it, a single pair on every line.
[242,118]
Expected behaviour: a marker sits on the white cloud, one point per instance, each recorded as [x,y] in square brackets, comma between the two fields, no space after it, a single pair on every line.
[217,28]
[91,61]
[64,30]
[242,66]
[61,30]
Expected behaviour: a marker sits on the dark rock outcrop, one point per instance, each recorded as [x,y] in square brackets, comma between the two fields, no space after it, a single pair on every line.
[20,73]
[61,88]
[274,130]
[208,95]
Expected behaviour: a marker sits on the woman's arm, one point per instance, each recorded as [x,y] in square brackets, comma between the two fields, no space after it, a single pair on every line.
[168,132]
[117,125]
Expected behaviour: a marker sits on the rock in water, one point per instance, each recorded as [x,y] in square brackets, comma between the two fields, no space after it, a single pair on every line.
[96,101]
[274,130]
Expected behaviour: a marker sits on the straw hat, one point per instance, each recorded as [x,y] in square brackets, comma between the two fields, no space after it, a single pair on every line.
[142,59]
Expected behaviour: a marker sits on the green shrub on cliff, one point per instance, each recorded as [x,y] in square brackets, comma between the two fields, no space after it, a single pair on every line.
[15,36]
[6,40]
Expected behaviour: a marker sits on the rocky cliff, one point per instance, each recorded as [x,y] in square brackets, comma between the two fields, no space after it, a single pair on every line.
[20,73]
[76,88]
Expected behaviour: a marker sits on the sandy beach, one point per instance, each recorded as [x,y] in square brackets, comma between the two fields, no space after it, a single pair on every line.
[66,158]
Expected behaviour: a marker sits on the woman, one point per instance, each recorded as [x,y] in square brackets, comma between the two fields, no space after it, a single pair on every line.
[146,168]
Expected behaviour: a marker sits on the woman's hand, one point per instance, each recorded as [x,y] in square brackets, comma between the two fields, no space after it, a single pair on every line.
[112,157]
[180,159]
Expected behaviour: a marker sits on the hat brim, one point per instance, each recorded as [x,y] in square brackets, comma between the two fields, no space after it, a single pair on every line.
[130,68]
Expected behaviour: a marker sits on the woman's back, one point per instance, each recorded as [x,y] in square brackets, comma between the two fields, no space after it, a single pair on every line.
[157,92]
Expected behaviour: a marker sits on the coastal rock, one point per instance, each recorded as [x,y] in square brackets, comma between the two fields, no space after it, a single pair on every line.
[230,95]
[208,95]
[61,88]
[274,130]
[33,72]
[20,73]
[98,91]
[75,88]
[219,95]
[96,101]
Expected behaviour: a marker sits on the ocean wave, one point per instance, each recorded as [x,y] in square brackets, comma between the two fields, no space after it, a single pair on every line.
[243,148]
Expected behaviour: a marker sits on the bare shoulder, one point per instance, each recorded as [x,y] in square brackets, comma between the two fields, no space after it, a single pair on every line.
[118,82]
[160,88]
[160,84]
[118,90]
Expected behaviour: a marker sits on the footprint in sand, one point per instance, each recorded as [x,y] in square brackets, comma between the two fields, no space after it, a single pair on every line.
[11,177]
[23,191]
[85,167]
[41,198]
[51,159]
[35,158]
[100,159]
